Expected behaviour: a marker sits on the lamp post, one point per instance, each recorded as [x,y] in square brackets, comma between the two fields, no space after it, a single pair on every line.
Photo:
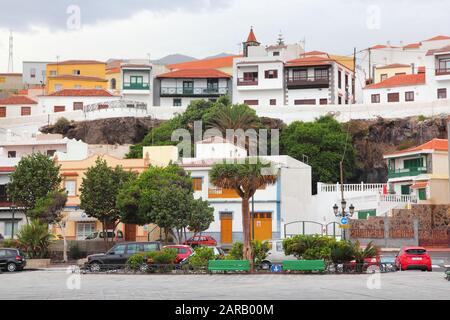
[13,209]
[343,212]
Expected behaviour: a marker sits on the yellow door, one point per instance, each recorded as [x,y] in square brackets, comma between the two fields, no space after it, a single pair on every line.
[263,226]
[226,228]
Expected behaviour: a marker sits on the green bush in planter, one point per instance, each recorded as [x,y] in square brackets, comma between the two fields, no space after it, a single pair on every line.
[34,239]
[309,247]
[201,257]
[136,261]
[260,250]
[163,257]
[342,252]
[10,243]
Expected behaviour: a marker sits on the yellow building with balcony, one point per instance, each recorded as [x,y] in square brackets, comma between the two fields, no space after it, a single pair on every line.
[76,74]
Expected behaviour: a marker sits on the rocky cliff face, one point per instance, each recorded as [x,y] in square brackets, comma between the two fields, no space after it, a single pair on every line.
[373,138]
[107,131]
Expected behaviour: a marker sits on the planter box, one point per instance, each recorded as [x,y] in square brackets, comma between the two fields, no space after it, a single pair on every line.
[37,263]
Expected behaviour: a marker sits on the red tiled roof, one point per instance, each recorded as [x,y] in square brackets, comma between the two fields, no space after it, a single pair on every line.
[421,69]
[195,73]
[309,61]
[443,49]
[213,63]
[17,100]
[394,65]
[378,46]
[440,37]
[400,80]
[81,93]
[70,62]
[251,36]
[80,78]
[435,144]
[412,45]
[419,185]
[314,53]
[113,70]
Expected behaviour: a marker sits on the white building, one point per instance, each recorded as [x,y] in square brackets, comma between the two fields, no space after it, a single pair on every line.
[75,100]
[17,106]
[136,80]
[34,73]
[275,205]
[178,88]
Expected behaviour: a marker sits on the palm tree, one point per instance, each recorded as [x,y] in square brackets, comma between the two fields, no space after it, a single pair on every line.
[360,254]
[245,178]
[238,116]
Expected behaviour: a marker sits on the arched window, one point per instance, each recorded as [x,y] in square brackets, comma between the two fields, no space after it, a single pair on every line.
[113,83]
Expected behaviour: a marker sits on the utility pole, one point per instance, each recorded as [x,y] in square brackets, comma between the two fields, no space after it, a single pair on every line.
[370,65]
[354,76]
[11,53]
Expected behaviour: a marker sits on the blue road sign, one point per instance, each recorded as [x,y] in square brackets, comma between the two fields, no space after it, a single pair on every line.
[276,268]
[344,221]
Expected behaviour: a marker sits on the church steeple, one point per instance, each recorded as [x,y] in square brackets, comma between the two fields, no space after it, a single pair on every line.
[251,42]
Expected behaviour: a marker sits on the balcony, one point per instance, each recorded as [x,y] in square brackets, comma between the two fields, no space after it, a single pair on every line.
[247,82]
[193,92]
[407,172]
[296,82]
[136,86]
[443,71]
[219,193]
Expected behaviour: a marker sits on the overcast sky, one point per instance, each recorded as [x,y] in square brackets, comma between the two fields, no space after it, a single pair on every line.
[134,28]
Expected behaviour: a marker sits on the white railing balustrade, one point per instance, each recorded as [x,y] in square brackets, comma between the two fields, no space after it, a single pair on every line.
[357,187]
[397,198]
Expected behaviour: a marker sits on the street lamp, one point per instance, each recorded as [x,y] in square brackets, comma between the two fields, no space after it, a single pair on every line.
[343,212]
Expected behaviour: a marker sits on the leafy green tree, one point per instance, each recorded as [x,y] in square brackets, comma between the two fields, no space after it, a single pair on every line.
[163,196]
[49,210]
[260,250]
[99,189]
[35,176]
[201,216]
[245,178]
[323,142]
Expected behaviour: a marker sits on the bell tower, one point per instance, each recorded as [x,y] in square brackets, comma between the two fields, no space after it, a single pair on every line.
[251,42]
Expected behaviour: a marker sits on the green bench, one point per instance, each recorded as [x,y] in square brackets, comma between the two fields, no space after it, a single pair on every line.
[228,265]
[304,265]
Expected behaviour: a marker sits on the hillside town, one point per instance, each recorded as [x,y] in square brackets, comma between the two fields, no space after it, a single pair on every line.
[313,152]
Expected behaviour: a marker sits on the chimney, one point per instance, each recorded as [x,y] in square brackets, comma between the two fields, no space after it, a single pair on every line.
[413,68]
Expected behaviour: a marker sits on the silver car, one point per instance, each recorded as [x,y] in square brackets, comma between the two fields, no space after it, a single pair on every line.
[275,255]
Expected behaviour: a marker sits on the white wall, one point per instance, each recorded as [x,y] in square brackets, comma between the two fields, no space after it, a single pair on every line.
[47,103]
[13,111]
[420,94]
[40,68]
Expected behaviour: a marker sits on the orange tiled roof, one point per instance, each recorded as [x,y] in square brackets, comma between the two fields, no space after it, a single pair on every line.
[435,144]
[81,78]
[195,73]
[421,69]
[440,37]
[443,49]
[251,36]
[70,62]
[81,93]
[378,46]
[214,63]
[394,65]
[314,53]
[419,185]
[412,45]
[17,100]
[113,70]
[400,80]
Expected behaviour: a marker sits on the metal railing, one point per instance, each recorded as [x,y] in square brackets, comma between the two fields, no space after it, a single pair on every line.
[174,91]
[136,86]
[247,82]
[442,71]
[406,172]
[308,80]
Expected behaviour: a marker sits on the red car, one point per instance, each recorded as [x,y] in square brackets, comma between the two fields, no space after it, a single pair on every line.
[413,258]
[201,241]
[183,251]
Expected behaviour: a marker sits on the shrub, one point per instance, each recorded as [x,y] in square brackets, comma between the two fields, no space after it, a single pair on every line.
[62,126]
[136,260]
[75,253]
[34,239]
[342,252]
[260,250]
[201,257]
[309,247]
[10,243]
[163,257]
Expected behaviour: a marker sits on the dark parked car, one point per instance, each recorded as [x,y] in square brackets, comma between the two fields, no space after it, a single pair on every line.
[2,237]
[119,254]
[12,259]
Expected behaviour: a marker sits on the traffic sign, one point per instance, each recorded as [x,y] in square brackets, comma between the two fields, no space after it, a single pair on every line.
[276,268]
[344,221]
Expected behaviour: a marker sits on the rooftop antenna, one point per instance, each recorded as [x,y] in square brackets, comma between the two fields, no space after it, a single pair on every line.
[280,39]
[11,60]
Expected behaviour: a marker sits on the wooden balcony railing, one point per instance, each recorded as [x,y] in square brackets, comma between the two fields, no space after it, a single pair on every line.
[443,71]
[247,82]
[310,81]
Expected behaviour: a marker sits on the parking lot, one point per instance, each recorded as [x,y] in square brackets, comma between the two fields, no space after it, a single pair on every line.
[59,284]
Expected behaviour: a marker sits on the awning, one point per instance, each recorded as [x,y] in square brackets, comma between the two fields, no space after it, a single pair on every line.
[419,185]
[79,216]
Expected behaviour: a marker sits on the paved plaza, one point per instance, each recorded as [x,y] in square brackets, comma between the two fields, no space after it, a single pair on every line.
[58,284]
